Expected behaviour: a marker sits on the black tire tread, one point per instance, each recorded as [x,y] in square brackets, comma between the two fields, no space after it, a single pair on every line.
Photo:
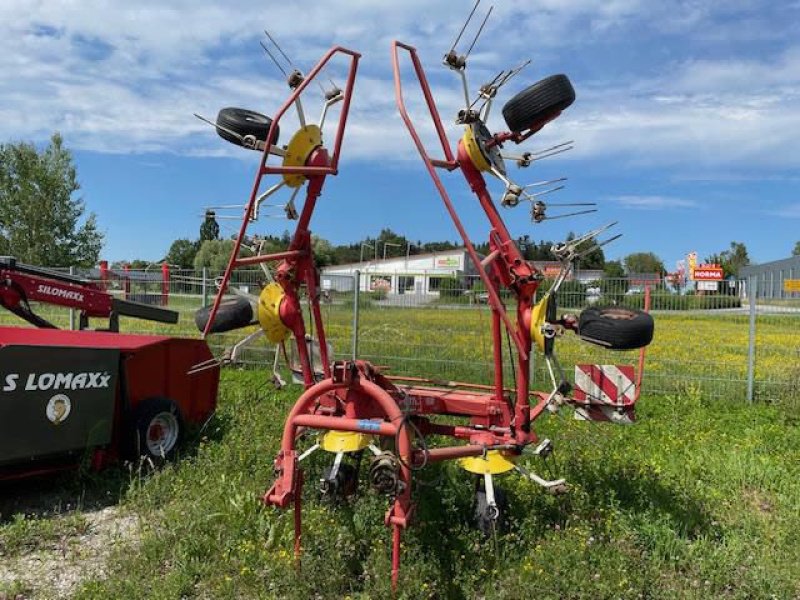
[538,102]
[142,415]
[244,122]
[619,334]
[233,313]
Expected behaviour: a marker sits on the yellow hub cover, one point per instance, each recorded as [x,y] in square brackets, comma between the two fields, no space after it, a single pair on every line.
[269,306]
[474,150]
[494,463]
[300,147]
[344,441]
[538,313]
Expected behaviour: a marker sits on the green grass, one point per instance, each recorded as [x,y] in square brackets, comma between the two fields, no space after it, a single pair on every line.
[699,499]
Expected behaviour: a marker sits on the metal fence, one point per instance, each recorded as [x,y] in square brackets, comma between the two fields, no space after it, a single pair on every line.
[712,344]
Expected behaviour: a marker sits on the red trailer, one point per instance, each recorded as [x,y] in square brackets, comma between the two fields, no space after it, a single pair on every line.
[66,396]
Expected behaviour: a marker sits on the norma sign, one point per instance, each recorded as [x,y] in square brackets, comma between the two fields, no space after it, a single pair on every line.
[707,273]
[791,285]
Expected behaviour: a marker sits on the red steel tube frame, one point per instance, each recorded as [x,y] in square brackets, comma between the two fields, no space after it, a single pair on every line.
[507,264]
[311,171]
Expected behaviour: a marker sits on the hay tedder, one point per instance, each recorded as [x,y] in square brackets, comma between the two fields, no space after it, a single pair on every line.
[353,409]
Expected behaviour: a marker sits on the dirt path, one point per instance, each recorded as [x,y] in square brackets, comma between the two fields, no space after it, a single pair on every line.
[56,569]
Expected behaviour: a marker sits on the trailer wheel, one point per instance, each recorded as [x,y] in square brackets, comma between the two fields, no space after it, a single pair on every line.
[159,429]
[244,122]
[232,314]
[616,327]
[539,102]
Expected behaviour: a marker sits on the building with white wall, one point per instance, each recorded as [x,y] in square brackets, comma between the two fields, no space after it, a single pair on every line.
[420,274]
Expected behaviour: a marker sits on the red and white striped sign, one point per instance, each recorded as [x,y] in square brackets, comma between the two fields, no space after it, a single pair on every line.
[605,393]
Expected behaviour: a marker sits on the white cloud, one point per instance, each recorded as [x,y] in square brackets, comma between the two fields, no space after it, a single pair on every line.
[654,202]
[126,77]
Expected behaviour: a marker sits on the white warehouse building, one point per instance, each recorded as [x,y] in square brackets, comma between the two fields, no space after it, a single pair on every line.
[419,274]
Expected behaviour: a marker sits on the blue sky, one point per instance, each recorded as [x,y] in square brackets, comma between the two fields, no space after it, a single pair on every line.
[686,123]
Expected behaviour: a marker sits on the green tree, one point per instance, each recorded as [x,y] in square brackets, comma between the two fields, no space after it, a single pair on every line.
[796,249]
[643,262]
[731,260]
[209,230]
[734,259]
[182,253]
[323,251]
[613,269]
[41,220]
[215,254]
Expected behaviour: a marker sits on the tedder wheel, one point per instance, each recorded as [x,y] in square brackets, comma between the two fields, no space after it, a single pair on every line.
[615,327]
[491,519]
[244,122]
[158,429]
[344,485]
[232,314]
[539,102]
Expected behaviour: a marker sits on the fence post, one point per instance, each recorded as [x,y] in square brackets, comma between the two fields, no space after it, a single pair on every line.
[205,286]
[752,292]
[356,292]
[72,310]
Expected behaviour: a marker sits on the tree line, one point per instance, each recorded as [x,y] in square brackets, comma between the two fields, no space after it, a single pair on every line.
[44,222]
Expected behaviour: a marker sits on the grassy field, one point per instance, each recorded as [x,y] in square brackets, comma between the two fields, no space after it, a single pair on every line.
[692,351]
[700,499]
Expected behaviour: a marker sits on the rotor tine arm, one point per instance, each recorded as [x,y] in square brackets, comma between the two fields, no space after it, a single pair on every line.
[243,343]
[328,103]
[277,64]
[301,116]
[217,126]
[480,30]
[542,156]
[572,214]
[551,148]
[543,183]
[264,196]
[598,245]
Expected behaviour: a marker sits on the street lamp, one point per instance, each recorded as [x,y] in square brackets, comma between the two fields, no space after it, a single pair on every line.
[370,246]
[408,252]
[385,244]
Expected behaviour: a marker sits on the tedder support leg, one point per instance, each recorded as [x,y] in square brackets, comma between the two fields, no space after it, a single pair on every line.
[298,523]
[395,555]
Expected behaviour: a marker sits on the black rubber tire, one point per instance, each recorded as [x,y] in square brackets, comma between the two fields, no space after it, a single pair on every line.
[616,327]
[487,525]
[538,102]
[164,414]
[232,314]
[244,122]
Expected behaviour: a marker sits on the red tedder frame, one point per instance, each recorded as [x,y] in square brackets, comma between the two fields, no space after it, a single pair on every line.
[297,263]
[354,396]
[505,265]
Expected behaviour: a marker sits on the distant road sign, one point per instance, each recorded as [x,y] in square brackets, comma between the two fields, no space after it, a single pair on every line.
[707,286]
[791,285]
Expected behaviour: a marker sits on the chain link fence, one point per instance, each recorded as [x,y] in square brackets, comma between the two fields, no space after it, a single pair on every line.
[717,344]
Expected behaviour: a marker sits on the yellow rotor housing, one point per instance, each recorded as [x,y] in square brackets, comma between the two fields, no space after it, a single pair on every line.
[344,441]
[474,151]
[538,313]
[269,306]
[303,143]
[494,463]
